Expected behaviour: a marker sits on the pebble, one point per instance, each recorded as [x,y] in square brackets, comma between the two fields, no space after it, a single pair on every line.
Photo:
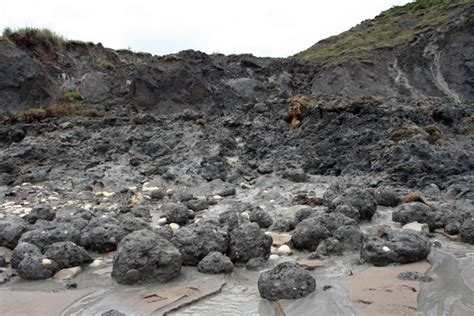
[284,250]
[66,274]
[174,226]
[274,257]
[46,263]
[162,221]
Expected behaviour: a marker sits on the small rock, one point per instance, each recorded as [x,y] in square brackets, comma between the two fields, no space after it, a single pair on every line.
[46,263]
[162,221]
[214,263]
[274,257]
[284,250]
[66,274]
[70,285]
[418,227]
[261,217]
[286,281]
[255,264]
[174,226]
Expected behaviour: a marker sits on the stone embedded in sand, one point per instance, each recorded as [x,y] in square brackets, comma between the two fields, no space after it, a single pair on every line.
[285,281]
[153,258]
[66,274]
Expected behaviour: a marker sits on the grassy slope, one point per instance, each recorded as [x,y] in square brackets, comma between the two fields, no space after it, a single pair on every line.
[393,27]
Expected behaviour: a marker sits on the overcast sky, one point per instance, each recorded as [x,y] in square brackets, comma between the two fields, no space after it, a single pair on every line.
[264,28]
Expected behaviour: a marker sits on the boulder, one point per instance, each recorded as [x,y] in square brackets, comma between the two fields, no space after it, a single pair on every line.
[350,237]
[22,250]
[214,263]
[102,234]
[11,229]
[361,199]
[391,246]
[51,233]
[387,197]
[415,212]
[248,241]
[285,281]
[467,231]
[42,211]
[177,213]
[284,224]
[261,217]
[198,240]
[67,254]
[309,233]
[34,267]
[145,257]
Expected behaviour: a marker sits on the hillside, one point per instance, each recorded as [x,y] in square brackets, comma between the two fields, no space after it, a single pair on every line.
[424,48]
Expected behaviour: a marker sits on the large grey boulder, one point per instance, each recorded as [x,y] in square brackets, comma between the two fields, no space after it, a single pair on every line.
[248,241]
[415,212]
[145,257]
[198,240]
[285,281]
[391,246]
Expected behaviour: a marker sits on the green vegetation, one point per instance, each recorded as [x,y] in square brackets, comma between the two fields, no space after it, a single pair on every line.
[105,64]
[72,96]
[29,32]
[64,110]
[392,28]
[414,6]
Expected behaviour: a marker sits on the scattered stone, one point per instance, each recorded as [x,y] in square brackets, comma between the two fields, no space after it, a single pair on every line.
[70,285]
[351,237]
[67,254]
[247,242]
[414,276]
[232,219]
[177,213]
[387,197]
[256,264]
[42,211]
[199,239]
[174,227]
[33,267]
[361,199]
[162,221]
[197,204]
[102,234]
[11,229]
[265,168]
[390,246]
[66,274]
[467,231]
[286,281]
[308,234]
[279,239]
[153,258]
[22,250]
[415,212]
[284,250]
[158,194]
[418,227]
[226,192]
[261,217]
[215,263]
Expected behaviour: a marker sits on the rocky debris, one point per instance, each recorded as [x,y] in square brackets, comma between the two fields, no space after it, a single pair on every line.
[232,219]
[415,212]
[145,257]
[350,237]
[418,227]
[467,231]
[261,217]
[215,263]
[285,281]
[358,198]
[256,264]
[66,274]
[22,250]
[44,212]
[197,204]
[102,234]
[284,224]
[414,276]
[330,246]
[199,239]
[387,197]
[51,233]
[11,229]
[309,233]
[35,267]
[177,213]
[391,246]
[67,254]
[247,241]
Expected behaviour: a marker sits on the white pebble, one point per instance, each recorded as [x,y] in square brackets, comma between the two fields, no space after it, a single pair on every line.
[284,250]
[162,221]
[386,249]
[174,226]
[274,257]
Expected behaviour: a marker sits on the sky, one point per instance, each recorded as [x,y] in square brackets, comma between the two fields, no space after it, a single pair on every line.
[273,28]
